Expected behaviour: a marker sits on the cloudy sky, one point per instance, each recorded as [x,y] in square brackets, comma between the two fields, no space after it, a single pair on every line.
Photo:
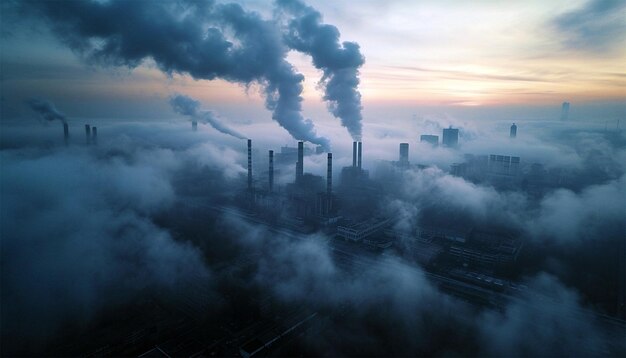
[484,59]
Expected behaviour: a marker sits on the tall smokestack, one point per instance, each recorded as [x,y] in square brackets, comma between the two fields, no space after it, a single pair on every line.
[88,134]
[66,134]
[271,174]
[329,175]
[249,164]
[354,154]
[360,151]
[300,164]
[194,126]
[329,183]
[94,135]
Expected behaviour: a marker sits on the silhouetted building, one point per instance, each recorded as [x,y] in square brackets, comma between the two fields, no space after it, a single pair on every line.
[513,132]
[429,138]
[94,135]
[565,111]
[503,165]
[458,169]
[450,137]
[403,161]
[362,230]
[194,125]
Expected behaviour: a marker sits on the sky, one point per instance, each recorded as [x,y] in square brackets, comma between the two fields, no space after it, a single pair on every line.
[484,59]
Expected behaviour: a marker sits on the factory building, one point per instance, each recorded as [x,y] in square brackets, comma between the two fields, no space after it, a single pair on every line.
[362,230]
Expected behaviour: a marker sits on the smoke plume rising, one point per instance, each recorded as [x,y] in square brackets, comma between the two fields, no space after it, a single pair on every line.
[188,106]
[340,62]
[46,110]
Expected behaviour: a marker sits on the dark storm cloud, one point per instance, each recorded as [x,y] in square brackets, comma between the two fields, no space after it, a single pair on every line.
[340,61]
[46,110]
[202,39]
[598,25]
[188,106]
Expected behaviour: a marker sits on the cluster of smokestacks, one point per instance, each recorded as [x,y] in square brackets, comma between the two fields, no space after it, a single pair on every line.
[357,150]
[299,168]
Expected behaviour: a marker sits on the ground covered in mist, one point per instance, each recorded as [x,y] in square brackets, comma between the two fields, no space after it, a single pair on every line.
[92,233]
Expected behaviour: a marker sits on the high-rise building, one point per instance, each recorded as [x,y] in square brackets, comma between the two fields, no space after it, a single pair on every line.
[194,125]
[404,154]
[431,139]
[249,164]
[565,111]
[513,132]
[450,137]
[271,171]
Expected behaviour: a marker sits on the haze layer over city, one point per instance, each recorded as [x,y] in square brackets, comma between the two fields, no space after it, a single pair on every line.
[291,178]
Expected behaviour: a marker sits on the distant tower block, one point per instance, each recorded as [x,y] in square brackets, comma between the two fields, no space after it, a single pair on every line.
[429,138]
[359,154]
[300,163]
[94,135]
[66,134]
[194,126]
[87,134]
[354,154]
[565,111]
[404,154]
[271,171]
[249,164]
[450,137]
[513,133]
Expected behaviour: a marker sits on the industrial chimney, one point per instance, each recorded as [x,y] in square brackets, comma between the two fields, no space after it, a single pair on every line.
[87,134]
[249,164]
[271,173]
[194,126]
[329,175]
[300,163]
[94,135]
[329,183]
[354,154]
[66,134]
[359,152]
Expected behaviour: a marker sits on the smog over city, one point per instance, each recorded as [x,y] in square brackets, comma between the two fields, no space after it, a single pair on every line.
[312,178]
